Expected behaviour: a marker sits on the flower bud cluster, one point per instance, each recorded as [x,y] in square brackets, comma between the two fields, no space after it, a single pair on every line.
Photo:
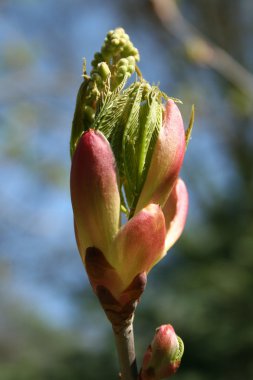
[111,67]
[116,45]
[95,86]
[125,66]
[120,56]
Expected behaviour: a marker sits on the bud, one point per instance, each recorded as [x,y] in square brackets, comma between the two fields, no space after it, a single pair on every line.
[117,254]
[127,149]
[96,205]
[163,356]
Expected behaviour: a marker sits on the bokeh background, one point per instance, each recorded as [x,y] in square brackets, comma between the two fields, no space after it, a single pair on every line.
[51,326]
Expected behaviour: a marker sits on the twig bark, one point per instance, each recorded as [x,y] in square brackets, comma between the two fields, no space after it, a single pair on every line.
[124,340]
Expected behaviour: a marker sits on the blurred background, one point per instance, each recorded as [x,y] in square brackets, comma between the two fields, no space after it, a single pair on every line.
[51,326]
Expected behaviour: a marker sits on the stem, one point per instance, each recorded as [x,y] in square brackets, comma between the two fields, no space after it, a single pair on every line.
[126,352]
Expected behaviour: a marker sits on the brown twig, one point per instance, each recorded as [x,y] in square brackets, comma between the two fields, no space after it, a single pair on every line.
[124,340]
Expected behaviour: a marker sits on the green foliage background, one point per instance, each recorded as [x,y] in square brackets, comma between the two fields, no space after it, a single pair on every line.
[51,326]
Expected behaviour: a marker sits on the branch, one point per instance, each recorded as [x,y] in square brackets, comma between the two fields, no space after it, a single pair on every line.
[126,352]
[199,48]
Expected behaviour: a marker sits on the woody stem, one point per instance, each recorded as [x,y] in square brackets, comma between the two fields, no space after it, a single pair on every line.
[124,340]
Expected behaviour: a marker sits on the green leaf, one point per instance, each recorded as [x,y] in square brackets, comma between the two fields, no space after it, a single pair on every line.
[110,109]
[150,124]
[130,141]
[189,129]
[77,123]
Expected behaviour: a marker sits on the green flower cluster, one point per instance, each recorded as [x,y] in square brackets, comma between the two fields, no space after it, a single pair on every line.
[116,61]
[111,67]
[116,45]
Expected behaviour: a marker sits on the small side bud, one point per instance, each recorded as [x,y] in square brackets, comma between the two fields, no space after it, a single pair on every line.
[163,356]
